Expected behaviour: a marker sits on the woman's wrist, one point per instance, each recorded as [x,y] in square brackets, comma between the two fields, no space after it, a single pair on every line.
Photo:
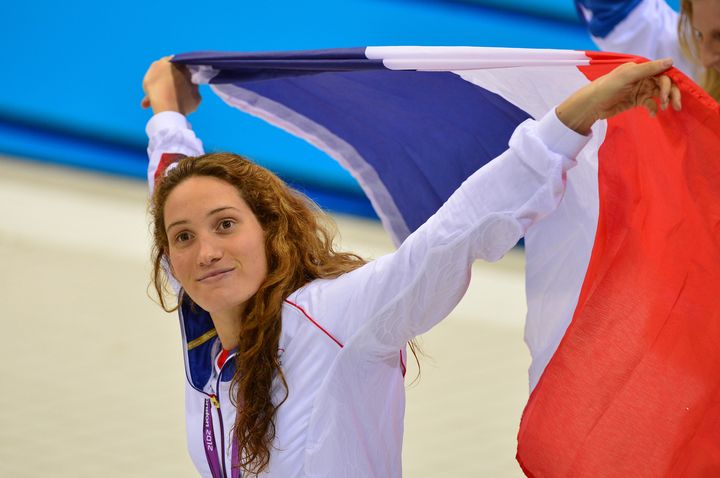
[578,111]
[159,106]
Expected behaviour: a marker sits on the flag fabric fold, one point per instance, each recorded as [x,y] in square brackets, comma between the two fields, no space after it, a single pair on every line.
[622,280]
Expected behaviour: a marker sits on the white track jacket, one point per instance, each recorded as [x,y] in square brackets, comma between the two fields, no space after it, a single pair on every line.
[342,346]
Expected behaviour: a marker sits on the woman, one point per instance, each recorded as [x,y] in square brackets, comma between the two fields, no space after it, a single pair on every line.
[295,352]
[652,29]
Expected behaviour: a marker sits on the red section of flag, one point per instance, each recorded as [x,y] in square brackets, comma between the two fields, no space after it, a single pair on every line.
[634,387]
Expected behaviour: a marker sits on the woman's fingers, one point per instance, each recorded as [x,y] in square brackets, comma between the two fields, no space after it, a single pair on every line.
[654,89]
[675,98]
[646,70]
[664,86]
[651,105]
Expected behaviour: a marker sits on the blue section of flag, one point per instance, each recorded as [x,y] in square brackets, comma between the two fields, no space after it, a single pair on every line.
[423,133]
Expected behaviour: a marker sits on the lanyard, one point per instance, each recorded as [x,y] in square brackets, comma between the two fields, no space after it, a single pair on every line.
[211,451]
[234,468]
[209,443]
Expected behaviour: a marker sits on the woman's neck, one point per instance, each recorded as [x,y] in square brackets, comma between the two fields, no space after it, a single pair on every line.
[227,325]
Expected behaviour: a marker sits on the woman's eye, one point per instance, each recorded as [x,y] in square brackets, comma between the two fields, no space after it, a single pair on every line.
[225,224]
[182,237]
[698,34]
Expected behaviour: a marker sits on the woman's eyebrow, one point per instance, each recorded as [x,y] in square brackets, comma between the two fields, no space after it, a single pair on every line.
[222,208]
[176,223]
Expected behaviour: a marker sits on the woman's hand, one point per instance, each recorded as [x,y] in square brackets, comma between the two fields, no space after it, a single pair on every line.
[626,87]
[168,87]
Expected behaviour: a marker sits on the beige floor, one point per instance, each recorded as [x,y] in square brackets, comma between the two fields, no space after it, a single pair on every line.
[91,370]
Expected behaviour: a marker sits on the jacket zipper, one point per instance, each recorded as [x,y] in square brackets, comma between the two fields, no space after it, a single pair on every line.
[216,401]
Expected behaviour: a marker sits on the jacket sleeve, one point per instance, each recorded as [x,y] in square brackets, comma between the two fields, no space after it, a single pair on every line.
[170,136]
[646,28]
[382,305]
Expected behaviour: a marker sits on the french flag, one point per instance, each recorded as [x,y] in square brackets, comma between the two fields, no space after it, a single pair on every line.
[623,279]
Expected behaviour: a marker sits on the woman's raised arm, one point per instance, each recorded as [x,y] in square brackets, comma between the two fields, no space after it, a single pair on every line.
[172,96]
[386,303]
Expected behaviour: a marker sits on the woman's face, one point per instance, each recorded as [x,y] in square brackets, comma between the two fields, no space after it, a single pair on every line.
[216,244]
[706,27]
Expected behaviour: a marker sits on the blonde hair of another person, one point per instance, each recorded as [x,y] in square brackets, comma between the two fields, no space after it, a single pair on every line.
[690,42]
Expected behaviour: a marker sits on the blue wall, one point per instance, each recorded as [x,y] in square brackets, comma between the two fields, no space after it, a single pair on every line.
[71,82]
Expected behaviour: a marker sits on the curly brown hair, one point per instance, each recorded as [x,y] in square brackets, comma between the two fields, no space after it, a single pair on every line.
[299,248]
[691,49]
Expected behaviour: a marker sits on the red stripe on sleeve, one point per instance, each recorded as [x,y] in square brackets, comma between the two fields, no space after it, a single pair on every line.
[166,160]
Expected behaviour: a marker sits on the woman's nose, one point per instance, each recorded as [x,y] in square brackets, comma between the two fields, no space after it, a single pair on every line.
[209,252]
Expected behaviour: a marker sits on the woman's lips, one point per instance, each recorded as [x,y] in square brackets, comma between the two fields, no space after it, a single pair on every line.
[215,275]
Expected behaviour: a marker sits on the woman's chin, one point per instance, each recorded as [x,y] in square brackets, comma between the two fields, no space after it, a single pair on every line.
[222,307]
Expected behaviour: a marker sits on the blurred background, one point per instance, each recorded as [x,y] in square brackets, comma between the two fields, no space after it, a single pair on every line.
[91,368]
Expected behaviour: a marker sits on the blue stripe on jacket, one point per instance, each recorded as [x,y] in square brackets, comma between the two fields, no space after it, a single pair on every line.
[605,14]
